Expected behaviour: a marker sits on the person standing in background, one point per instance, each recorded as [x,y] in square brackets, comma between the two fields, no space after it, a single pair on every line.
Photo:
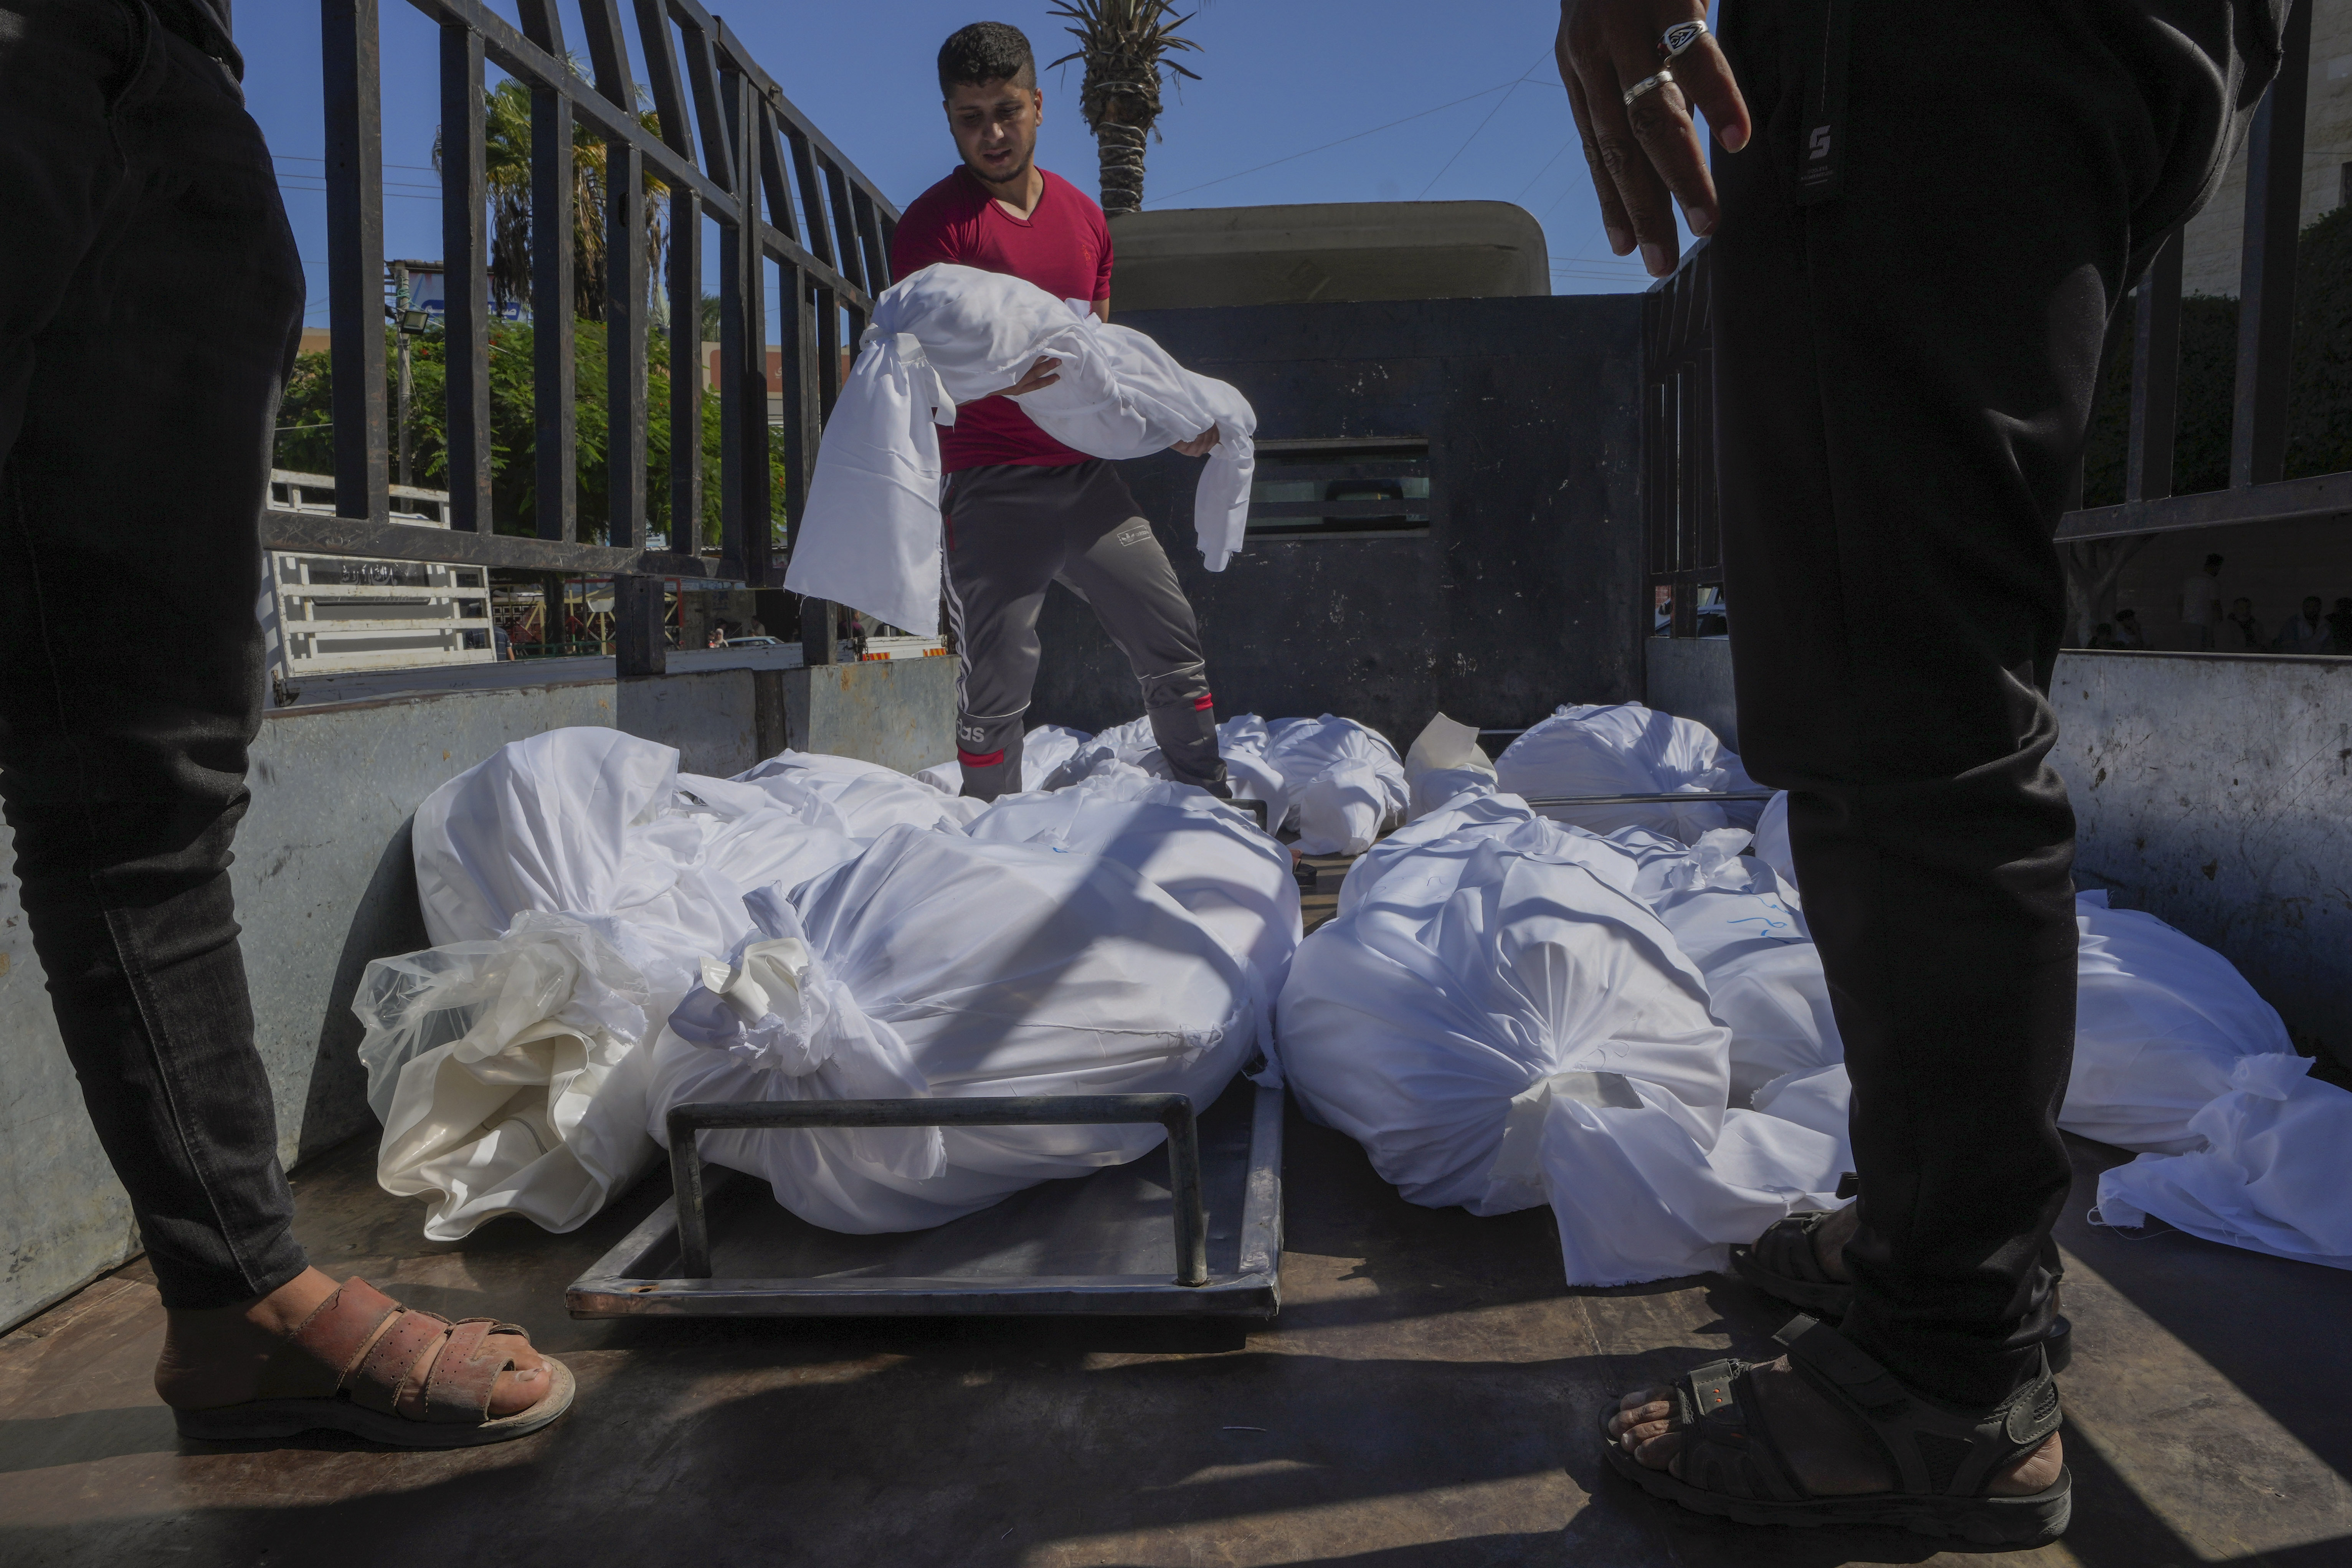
[2339,627]
[2241,619]
[2304,633]
[1021,511]
[2200,604]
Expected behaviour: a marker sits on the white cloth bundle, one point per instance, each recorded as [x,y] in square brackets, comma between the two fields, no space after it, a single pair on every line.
[1046,754]
[1731,916]
[1334,781]
[1201,852]
[869,798]
[619,938]
[870,534]
[950,967]
[598,821]
[507,1073]
[1500,1023]
[1344,782]
[2161,1025]
[1624,748]
[1406,1035]
[2271,1175]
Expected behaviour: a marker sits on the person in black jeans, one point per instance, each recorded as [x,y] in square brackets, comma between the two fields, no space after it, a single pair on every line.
[1922,219]
[151,300]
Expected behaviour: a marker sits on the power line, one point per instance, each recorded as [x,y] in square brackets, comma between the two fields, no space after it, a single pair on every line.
[388,196]
[306,158]
[1540,172]
[1472,137]
[1344,139]
[388,185]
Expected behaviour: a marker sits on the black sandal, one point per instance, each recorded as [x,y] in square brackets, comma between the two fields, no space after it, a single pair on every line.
[1732,1466]
[1781,1263]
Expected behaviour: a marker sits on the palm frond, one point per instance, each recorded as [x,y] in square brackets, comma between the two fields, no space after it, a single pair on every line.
[506,180]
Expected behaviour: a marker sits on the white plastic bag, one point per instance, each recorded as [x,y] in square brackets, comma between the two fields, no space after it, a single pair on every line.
[1344,782]
[1003,969]
[1467,974]
[1625,748]
[571,819]
[506,1074]
[1200,851]
[1456,830]
[1731,918]
[869,798]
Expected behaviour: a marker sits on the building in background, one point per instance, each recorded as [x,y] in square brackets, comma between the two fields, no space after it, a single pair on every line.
[1326,253]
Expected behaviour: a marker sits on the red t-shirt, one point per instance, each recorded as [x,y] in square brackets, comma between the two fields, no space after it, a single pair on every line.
[1062,247]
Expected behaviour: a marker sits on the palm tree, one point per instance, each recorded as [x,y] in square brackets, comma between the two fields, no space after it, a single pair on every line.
[1125,45]
[505,169]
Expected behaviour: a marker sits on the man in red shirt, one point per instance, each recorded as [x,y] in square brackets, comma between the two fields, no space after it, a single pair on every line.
[1023,510]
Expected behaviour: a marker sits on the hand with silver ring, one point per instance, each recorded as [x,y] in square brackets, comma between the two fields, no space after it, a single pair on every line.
[1634,118]
[1680,36]
[1648,84]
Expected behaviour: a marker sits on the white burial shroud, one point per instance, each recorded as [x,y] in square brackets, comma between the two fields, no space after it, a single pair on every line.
[949,335]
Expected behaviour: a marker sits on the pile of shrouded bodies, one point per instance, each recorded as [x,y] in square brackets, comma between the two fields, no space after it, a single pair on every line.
[1632,1024]
[1617,1011]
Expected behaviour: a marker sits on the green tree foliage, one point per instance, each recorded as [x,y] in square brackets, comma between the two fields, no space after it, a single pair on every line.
[306,444]
[506,171]
[2319,397]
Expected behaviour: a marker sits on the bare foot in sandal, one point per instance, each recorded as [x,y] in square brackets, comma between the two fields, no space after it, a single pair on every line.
[1830,1238]
[1827,1435]
[314,1354]
[1832,1456]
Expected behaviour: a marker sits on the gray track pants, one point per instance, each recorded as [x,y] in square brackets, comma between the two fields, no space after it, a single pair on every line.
[1013,529]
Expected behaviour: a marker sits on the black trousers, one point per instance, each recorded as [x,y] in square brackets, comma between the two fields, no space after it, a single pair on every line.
[1903,373]
[150,296]
[1013,531]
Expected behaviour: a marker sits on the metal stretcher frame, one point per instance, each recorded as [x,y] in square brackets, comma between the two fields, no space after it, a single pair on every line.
[1686,797]
[663,1266]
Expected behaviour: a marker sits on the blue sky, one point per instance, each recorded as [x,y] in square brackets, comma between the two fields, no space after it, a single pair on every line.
[1484,115]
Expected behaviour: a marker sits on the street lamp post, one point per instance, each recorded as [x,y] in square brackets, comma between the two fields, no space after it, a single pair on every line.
[399,319]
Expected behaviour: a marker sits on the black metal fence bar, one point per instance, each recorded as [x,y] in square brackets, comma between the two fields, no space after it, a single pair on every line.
[2266,273]
[1678,497]
[1683,547]
[2156,378]
[466,252]
[2258,492]
[825,228]
[353,67]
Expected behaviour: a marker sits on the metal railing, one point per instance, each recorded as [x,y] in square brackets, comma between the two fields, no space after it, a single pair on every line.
[731,149]
[2258,490]
[1678,491]
[1683,534]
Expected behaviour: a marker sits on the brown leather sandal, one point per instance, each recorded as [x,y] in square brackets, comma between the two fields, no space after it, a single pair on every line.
[360,1352]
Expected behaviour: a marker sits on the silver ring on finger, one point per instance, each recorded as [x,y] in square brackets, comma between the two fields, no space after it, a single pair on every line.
[1647,84]
[1679,37]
